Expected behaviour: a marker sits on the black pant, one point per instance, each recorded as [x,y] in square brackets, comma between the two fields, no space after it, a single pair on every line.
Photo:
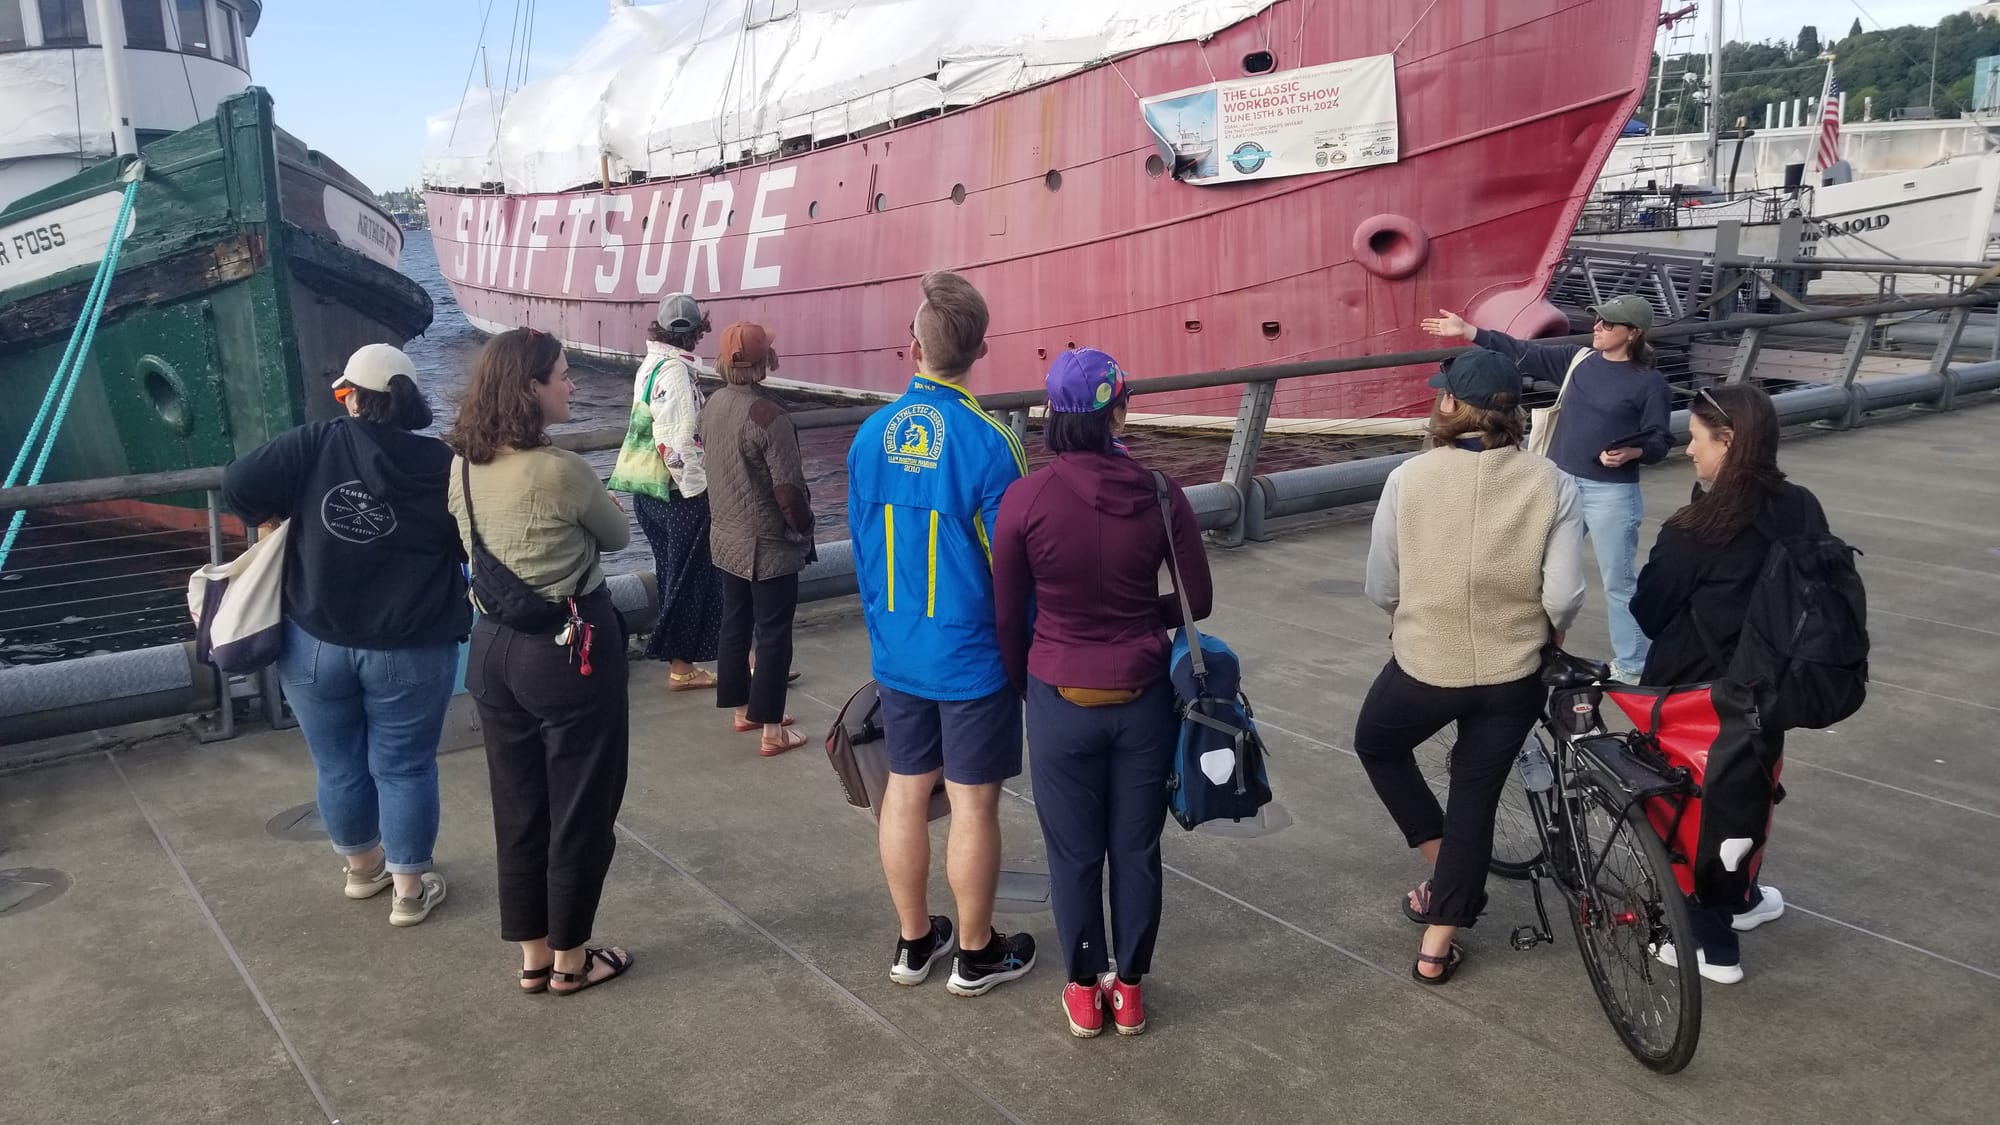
[766,609]
[1493,721]
[556,752]
[1100,778]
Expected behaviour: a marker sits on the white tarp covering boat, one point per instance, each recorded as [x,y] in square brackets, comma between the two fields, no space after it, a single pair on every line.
[681,87]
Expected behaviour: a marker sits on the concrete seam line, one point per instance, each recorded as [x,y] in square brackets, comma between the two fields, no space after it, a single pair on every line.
[1554,1050]
[228,947]
[1790,905]
[915,1045]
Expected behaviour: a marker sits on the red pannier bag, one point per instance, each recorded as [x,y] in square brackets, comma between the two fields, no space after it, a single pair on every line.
[1716,837]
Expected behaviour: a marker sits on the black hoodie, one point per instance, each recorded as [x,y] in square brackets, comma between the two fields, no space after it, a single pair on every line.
[373,556]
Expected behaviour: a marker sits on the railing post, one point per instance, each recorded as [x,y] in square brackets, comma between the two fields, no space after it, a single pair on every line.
[1850,367]
[1239,469]
[1954,328]
[1745,359]
[224,725]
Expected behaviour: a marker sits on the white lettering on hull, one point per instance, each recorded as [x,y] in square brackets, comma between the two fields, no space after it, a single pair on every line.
[517,229]
[63,239]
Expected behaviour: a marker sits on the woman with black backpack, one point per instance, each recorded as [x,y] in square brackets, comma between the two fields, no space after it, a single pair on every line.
[1694,596]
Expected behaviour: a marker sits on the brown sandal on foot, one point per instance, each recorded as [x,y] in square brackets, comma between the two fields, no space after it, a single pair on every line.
[1449,962]
[792,741]
[582,979]
[745,726]
[535,981]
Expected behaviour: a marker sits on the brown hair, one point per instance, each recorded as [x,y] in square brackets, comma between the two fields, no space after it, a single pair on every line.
[1749,475]
[1497,427]
[499,409]
[658,334]
[950,324]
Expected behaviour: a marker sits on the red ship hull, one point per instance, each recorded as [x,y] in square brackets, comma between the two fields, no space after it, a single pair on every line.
[1047,200]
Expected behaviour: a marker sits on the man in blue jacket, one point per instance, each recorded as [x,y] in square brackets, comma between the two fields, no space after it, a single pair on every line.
[925,477]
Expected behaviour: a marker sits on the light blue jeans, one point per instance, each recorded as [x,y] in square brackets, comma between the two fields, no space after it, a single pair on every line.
[372,719]
[1611,517]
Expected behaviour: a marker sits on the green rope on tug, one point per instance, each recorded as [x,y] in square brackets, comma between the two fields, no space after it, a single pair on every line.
[55,403]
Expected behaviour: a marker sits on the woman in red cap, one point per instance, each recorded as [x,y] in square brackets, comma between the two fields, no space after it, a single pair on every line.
[1077,553]
[760,534]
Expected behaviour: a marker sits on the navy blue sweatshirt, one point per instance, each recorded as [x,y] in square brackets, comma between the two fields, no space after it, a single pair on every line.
[1608,401]
[373,554]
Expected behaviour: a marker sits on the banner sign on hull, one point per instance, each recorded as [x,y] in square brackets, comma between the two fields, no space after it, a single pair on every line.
[1329,118]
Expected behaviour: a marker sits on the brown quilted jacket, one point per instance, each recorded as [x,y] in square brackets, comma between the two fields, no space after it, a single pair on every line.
[760,512]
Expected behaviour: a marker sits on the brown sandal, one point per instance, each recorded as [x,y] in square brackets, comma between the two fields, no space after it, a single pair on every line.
[535,981]
[1449,962]
[744,726]
[582,980]
[792,741]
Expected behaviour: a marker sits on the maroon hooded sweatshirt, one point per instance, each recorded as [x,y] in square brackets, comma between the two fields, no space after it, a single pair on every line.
[1077,552]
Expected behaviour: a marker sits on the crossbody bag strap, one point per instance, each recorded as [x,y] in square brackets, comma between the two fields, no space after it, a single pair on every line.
[1180,587]
[652,377]
[465,491]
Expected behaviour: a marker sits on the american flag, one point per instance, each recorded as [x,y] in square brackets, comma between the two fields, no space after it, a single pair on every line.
[1829,122]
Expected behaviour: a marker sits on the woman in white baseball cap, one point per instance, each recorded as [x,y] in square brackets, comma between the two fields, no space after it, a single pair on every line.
[368,676]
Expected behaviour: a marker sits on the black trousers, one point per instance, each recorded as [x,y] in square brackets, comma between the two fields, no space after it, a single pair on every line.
[556,752]
[1493,721]
[765,609]
[1100,777]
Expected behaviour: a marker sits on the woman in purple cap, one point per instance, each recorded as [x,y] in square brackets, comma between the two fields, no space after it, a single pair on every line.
[1081,541]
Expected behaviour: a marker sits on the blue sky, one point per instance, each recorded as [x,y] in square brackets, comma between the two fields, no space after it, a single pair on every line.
[356,78]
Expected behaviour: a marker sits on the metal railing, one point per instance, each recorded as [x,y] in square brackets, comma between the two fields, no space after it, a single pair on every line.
[90,692]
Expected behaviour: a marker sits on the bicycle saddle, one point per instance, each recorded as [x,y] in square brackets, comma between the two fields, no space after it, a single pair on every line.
[1564,670]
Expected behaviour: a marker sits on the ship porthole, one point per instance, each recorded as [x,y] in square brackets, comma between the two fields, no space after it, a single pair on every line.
[687,220]
[812,210]
[881,202]
[1391,246]
[958,194]
[1259,62]
[1155,167]
[167,394]
[1052,181]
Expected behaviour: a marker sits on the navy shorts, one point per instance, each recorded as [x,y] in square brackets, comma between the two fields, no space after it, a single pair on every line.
[975,741]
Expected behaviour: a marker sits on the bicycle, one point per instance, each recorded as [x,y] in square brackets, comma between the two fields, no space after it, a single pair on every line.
[1601,843]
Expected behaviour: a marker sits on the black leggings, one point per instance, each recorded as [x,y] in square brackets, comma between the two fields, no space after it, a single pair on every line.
[1493,721]
[556,751]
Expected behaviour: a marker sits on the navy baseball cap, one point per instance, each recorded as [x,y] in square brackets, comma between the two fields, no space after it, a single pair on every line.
[1084,381]
[1476,375]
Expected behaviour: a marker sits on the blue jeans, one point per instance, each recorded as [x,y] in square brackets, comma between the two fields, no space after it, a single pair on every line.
[372,719]
[1611,517]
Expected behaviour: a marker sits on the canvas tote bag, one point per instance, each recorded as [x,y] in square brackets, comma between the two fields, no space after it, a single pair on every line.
[1542,419]
[238,606]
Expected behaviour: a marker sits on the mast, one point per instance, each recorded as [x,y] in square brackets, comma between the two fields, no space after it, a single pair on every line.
[111,32]
[1715,94]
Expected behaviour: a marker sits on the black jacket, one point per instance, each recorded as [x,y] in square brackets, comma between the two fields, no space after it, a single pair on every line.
[1686,579]
[373,556]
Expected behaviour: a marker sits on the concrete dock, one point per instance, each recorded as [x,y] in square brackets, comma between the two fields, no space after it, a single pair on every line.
[199,969]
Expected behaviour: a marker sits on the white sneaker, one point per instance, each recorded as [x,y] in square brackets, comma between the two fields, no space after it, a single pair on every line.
[1720,974]
[1768,909]
[1624,675]
[411,911]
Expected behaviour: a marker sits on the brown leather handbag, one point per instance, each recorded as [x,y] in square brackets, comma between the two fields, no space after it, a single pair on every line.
[859,753]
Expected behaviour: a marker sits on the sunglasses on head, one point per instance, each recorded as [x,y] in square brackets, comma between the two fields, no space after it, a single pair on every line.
[1710,399]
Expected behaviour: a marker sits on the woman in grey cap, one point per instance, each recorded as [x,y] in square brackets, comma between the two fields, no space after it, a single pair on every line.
[1477,555]
[1615,411]
[677,524]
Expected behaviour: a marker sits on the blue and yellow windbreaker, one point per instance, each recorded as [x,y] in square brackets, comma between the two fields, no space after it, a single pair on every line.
[924,481]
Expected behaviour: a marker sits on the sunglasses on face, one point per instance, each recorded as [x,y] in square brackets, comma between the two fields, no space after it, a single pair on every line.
[342,394]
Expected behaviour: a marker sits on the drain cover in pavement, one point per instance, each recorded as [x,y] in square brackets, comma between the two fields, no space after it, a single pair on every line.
[298,823]
[24,888]
[1021,892]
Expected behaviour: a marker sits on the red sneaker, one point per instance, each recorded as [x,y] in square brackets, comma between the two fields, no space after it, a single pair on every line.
[1084,1006]
[1128,1009]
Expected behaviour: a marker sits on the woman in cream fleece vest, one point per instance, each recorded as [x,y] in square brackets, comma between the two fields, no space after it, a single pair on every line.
[1477,555]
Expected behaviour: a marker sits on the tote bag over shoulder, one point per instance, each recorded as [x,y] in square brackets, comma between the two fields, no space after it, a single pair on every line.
[239,606]
[858,749]
[1542,419]
[639,469]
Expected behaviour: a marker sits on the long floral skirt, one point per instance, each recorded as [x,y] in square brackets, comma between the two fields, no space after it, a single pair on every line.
[690,592]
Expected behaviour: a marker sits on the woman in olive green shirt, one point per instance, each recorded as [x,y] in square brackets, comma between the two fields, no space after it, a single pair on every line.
[552,705]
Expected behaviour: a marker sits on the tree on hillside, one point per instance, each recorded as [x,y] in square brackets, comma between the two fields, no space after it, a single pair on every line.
[1808,45]
[1855,30]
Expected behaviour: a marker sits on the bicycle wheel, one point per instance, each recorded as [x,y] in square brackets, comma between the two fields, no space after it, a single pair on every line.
[1517,844]
[1630,906]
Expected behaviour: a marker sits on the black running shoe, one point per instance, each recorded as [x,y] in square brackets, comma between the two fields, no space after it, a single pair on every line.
[914,958]
[1006,957]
